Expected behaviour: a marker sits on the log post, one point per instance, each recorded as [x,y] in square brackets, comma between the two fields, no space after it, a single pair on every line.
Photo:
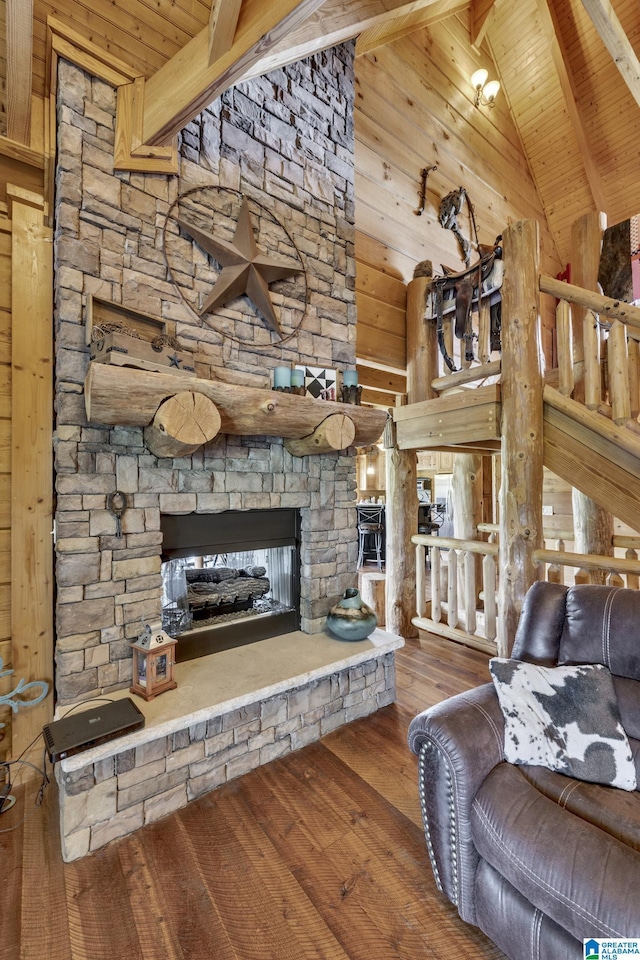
[522,425]
[336,432]
[182,424]
[422,343]
[586,244]
[592,524]
[401,524]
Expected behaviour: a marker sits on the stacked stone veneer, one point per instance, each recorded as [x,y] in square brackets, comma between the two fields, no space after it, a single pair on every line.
[113,797]
[286,141]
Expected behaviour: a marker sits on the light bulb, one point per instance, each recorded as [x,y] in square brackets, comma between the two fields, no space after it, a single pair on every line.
[491,90]
[479,78]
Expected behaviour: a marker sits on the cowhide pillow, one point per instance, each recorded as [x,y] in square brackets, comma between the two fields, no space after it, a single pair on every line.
[564,718]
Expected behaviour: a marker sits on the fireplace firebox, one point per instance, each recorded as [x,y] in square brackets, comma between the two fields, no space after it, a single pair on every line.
[229,579]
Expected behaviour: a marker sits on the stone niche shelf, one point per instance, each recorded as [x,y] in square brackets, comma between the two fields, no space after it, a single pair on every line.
[180,414]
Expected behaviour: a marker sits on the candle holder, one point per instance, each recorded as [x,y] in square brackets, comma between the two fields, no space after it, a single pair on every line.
[351,393]
[297,382]
[282,379]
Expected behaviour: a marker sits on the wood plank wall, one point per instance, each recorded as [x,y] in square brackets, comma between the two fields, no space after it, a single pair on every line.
[414,109]
[31,446]
[26,451]
[5,469]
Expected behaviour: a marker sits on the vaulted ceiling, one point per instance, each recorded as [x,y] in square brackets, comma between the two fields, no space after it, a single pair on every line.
[569,70]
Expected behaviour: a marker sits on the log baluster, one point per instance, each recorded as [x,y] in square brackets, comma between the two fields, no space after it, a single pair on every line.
[618,369]
[436,585]
[583,576]
[484,331]
[633,364]
[555,571]
[592,371]
[420,579]
[470,591]
[564,341]
[489,592]
[633,580]
[452,589]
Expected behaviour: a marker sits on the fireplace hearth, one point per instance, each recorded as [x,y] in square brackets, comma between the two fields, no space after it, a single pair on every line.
[230,578]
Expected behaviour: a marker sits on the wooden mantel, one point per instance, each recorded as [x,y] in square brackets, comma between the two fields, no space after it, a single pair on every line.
[125,396]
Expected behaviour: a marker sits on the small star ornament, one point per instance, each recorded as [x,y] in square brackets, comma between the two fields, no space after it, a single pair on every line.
[244,268]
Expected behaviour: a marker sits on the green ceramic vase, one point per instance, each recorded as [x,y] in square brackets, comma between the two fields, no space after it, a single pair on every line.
[351,618]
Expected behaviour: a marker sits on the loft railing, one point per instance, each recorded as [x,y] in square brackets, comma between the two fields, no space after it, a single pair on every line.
[453,611]
[610,348]
[460,608]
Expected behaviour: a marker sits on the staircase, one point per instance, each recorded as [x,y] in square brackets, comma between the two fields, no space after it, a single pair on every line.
[487,408]
[590,452]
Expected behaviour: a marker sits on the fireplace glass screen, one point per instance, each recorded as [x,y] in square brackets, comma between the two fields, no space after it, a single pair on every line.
[237,583]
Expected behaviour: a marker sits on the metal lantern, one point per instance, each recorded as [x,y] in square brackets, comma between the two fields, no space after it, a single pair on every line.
[154,657]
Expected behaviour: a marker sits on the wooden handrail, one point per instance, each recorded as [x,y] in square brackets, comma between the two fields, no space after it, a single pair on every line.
[458,379]
[587,561]
[622,542]
[546,534]
[604,306]
[451,543]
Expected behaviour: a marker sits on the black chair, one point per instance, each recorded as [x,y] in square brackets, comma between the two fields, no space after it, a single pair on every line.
[370,527]
[428,525]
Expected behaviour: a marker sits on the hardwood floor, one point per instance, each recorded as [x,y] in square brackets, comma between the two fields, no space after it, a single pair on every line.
[318,855]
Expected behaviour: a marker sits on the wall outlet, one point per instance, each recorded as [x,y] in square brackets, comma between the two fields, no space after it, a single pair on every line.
[547,511]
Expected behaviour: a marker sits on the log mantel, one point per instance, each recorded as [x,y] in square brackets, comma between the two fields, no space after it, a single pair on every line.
[123,396]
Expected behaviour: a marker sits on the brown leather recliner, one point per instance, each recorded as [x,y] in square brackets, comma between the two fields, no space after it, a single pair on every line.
[539,861]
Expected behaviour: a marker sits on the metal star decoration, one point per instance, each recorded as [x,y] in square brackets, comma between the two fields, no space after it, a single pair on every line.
[244,268]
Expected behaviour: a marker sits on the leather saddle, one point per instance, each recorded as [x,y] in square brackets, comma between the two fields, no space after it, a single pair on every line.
[462,287]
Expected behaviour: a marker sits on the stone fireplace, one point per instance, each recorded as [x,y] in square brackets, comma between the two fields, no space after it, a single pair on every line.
[285,141]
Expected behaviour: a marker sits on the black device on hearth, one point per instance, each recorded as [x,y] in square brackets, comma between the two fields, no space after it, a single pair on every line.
[89,728]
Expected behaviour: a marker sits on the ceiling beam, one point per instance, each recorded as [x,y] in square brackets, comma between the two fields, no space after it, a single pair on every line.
[268,35]
[335,22]
[185,85]
[398,27]
[19,14]
[612,34]
[553,35]
[223,21]
[481,11]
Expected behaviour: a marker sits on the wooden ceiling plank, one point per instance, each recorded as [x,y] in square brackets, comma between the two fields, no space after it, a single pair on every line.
[222,27]
[522,73]
[612,34]
[185,85]
[560,61]
[399,27]
[19,15]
